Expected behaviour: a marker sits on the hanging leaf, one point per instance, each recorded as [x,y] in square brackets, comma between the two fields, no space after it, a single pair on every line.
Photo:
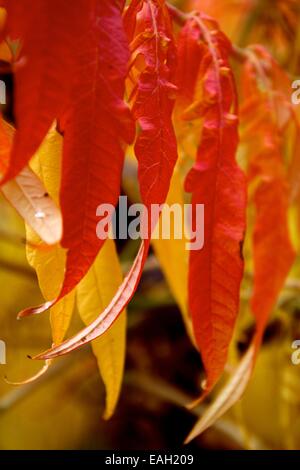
[30,198]
[95,129]
[217,182]
[109,315]
[49,262]
[94,292]
[49,32]
[172,253]
[227,397]
[152,96]
[157,21]
[267,114]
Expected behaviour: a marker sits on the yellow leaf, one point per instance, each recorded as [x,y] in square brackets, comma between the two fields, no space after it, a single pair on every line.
[94,293]
[173,255]
[228,396]
[31,199]
[28,195]
[49,262]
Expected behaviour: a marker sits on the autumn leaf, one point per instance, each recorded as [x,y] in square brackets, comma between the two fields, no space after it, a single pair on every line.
[87,79]
[94,292]
[267,115]
[109,315]
[217,182]
[152,96]
[49,262]
[172,253]
[166,156]
[30,198]
[227,397]
[95,128]
[44,71]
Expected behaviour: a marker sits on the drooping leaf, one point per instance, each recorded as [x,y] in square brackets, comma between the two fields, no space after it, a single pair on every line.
[95,126]
[152,73]
[49,32]
[94,292]
[217,182]
[227,397]
[267,114]
[49,262]
[156,131]
[172,253]
[152,95]
[109,315]
[30,198]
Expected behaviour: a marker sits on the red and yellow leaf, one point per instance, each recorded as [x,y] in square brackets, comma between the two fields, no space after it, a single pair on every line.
[95,127]
[157,132]
[29,196]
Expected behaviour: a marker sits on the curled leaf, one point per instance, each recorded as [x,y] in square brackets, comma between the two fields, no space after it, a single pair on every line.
[33,378]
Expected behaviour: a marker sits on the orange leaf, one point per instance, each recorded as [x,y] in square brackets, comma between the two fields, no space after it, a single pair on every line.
[272,249]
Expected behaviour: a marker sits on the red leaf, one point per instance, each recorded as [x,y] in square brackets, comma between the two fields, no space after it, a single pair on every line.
[95,128]
[272,250]
[156,132]
[217,182]
[264,115]
[153,96]
[190,55]
[43,73]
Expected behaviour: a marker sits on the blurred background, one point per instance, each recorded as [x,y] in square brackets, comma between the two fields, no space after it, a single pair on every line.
[63,409]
